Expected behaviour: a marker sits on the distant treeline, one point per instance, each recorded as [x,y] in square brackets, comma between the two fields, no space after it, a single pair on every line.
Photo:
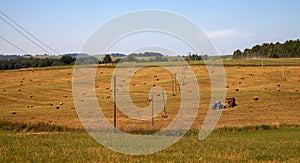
[35,62]
[288,49]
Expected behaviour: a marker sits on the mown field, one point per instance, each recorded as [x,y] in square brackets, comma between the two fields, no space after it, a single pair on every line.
[34,95]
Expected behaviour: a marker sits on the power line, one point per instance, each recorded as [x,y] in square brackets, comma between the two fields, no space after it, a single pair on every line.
[24,35]
[12,44]
[29,33]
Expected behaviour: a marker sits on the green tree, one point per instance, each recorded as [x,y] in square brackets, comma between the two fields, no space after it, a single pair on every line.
[107,59]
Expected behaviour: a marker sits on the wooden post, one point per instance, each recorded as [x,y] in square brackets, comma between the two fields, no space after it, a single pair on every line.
[173,94]
[175,84]
[115,105]
[152,111]
[165,112]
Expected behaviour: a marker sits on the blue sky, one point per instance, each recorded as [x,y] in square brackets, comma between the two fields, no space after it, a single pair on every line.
[65,25]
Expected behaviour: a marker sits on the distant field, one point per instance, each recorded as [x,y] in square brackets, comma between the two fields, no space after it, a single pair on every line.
[31,92]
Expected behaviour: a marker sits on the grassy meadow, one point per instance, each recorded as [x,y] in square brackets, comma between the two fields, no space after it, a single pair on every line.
[44,95]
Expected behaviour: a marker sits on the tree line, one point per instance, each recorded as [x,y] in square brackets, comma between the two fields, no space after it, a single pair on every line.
[288,49]
[35,62]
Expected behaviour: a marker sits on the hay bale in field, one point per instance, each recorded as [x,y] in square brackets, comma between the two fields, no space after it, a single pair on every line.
[13,112]
[57,107]
[21,81]
[227,86]
[65,96]
[242,78]
[296,89]
[155,76]
[107,88]
[69,81]
[4,90]
[157,79]
[236,89]
[19,90]
[51,104]
[278,84]
[153,85]
[255,98]
[61,103]
[265,88]
[27,106]
[123,81]
[21,84]
[96,86]
[240,82]
[278,89]
[250,74]
[108,96]
[133,84]
[83,93]
[30,96]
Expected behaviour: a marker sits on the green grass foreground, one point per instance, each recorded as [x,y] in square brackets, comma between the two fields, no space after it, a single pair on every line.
[234,145]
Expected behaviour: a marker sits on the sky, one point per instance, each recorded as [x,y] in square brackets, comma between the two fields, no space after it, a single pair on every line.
[65,25]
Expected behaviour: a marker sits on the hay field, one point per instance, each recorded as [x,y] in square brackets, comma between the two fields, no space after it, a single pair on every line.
[35,94]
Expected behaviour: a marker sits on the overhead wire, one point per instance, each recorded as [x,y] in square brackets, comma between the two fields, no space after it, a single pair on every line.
[12,44]
[27,32]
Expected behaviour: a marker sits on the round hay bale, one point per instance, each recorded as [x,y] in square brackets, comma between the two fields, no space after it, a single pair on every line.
[61,103]
[21,81]
[278,89]
[13,112]
[19,90]
[236,89]
[21,84]
[240,82]
[27,106]
[108,96]
[4,90]
[65,96]
[96,86]
[242,78]
[57,107]
[278,84]
[157,79]
[30,96]
[255,98]
[107,88]
[296,89]
[133,84]
[265,88]
[69,81]
[155,76]
[153,85]
[51,104]
[227,86]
